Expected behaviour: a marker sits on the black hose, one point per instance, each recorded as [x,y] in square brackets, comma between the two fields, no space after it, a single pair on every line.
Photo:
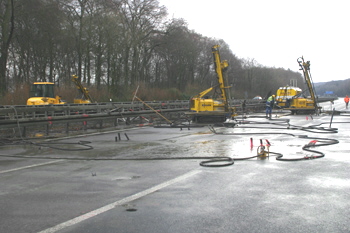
[222,162]
[215,161]
[84,145]
[313,129]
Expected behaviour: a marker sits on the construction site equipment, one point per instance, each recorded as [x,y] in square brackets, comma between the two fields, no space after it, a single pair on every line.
[263,151]
[210,110]
[86,98]
[42,93]
[294,99]
[285,94]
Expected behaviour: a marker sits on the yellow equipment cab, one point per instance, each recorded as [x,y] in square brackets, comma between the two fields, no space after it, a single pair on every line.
[42,93]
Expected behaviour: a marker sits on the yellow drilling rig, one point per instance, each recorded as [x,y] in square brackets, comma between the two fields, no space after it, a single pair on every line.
[293,99]
[86,98]
[213,110]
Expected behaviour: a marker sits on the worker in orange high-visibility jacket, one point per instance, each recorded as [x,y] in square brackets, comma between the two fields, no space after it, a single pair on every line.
[346,100]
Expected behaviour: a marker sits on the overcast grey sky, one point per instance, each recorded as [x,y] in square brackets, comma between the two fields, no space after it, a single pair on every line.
[276,32]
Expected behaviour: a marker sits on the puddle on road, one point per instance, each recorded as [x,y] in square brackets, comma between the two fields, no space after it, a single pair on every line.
[177,144]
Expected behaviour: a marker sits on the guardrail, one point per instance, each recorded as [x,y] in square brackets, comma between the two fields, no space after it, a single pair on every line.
[43,118]
[21,120]
[31,111]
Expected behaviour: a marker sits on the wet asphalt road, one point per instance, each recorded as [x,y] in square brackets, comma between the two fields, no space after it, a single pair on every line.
[153,182]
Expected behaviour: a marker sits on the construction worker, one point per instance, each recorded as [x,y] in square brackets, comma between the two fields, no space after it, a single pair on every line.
[346,100]
[269,106]
[244,104]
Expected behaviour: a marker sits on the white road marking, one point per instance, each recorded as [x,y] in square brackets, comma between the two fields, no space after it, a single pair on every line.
[30,166]
[117,203]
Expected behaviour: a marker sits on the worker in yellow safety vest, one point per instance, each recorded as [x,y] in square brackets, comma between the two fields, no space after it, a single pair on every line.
[269,106]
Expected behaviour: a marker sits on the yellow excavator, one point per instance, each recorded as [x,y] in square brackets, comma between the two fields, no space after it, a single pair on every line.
[292,98]
[42,93]
[209,110]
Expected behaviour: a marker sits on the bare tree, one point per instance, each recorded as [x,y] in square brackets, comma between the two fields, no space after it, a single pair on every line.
[141,19]
[7,28]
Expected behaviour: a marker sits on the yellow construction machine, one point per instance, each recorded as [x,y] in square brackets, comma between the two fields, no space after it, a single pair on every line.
[86,98]
[210,110]
[293,99]
[42,93]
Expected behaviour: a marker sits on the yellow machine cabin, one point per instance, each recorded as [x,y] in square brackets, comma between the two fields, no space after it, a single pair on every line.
[202,103]
[205,109]
[42,93]
[284,95]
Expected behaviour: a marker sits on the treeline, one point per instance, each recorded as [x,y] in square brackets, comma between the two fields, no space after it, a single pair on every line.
[115,46]
[339,88]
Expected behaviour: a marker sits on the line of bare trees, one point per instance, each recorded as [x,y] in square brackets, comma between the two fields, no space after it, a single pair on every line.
[115,45]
